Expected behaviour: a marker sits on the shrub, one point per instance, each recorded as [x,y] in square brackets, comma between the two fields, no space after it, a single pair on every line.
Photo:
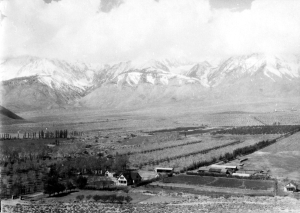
[96,197]
[81,182]
[120,199]
[79,197]
[128,199]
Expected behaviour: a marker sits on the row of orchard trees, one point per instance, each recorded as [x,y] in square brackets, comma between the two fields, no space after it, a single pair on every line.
[47,134]
[41,134]
[255,130]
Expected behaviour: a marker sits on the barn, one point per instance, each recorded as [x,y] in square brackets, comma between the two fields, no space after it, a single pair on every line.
[228,167]
[241,174]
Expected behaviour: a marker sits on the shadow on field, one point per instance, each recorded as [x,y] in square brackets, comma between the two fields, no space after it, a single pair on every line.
[63,194]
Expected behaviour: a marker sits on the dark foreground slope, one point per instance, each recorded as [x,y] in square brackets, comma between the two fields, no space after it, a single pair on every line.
[7,113]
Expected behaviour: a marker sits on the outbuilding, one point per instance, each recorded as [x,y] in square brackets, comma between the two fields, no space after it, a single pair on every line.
[228,167]
[203,169]
[162,170]
[241,174]
[291,187]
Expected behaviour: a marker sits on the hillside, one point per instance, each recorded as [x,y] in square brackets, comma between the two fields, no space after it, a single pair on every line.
[9,114]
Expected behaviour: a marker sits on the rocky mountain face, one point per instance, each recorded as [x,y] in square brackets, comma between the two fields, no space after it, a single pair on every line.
[35,83]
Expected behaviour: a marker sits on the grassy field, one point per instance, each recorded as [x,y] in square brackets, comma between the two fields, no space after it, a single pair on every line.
[281,159]
[221,182]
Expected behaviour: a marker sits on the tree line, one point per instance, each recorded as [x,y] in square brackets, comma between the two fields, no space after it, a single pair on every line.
[68,174]
[106,198]
[256,130]
[43,134]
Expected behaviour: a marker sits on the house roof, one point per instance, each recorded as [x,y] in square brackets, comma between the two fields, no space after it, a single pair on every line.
[135,175]
[291,184]
[215,170]
[132,175]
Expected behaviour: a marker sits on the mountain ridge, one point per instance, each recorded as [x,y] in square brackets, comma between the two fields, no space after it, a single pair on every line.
[47,83]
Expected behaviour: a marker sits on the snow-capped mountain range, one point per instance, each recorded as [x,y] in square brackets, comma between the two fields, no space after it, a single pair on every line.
[59,82]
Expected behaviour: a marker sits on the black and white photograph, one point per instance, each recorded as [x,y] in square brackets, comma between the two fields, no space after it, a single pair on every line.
[150,106]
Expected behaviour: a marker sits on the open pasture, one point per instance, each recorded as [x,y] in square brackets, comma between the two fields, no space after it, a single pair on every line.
[221,182]
[281,158]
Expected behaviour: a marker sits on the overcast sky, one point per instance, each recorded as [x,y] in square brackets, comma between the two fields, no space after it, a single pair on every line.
[119,30]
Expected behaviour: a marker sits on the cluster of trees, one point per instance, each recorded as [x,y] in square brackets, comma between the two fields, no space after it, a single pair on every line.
[90,165]
[107,198]
[23,166]
[53,184]
[24,152]
[255,130]
[67,174]
[17,183]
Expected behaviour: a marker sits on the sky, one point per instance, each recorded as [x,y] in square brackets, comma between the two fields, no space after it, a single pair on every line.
[106,31]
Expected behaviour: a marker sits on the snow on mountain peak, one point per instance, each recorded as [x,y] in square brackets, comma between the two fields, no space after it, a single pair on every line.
[59,73]
[50,72]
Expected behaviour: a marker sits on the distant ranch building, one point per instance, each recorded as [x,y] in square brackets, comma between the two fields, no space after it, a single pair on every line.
[228,167]
[164,170]
[241,174]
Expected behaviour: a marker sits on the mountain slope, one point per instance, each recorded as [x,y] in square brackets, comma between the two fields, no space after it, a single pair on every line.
[35,83]
[9,114]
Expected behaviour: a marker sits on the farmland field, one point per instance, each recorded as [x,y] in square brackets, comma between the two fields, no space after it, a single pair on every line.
[221,182]
[208,142]
[224,182]
[192,179]
[109,132]
[282,158]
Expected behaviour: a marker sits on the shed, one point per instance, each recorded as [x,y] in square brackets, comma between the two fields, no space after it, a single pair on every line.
[291,187]
[203,169]
[162,170]
[148,175]
[215,170]
[229,167]
[241,174]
